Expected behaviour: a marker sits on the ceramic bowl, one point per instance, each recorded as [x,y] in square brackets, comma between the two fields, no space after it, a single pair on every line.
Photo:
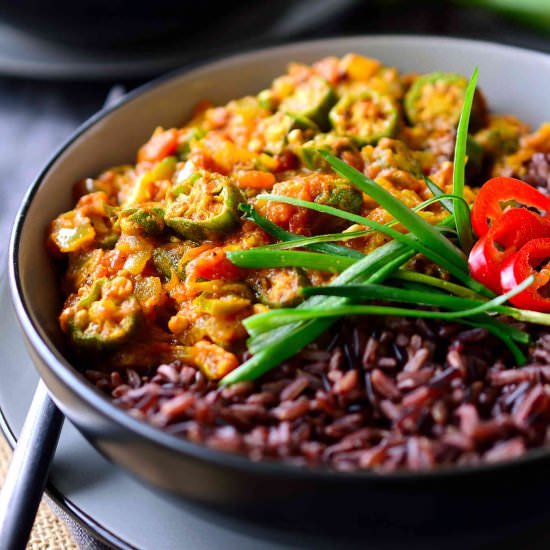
[514,81]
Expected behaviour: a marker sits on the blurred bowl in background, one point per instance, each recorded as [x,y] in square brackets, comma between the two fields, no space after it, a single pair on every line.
[95,39]
[101,24]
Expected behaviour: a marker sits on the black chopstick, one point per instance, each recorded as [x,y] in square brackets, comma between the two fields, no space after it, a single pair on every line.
[28,471]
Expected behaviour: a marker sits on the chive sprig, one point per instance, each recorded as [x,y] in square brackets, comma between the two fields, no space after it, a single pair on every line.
[367,283]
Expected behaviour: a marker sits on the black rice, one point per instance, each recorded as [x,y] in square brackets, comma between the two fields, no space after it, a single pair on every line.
[391,394]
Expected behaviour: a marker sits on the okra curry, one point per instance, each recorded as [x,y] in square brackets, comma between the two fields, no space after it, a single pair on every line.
[260,229]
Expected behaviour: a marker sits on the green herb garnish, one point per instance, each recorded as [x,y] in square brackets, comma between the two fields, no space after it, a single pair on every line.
[278,334]
[273,229]
[273,347]
[295,241]
[438,192]
[462,212]
[400,211]
[272,319]
[260,258]
[422,241]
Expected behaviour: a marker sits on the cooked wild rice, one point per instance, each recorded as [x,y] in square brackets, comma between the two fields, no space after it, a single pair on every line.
[387,393]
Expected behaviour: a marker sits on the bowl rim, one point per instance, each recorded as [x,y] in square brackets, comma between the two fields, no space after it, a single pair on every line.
[69,375]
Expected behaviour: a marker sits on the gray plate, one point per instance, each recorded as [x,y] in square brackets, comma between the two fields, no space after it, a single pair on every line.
[101,496]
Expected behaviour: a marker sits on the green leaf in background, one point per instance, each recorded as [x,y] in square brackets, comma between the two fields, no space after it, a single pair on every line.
[535,13]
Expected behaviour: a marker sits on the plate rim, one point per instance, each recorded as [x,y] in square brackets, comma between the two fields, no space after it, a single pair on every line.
[77,514]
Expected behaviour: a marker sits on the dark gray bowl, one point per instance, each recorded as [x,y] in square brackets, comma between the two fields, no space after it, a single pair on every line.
[515,81]
[102,24]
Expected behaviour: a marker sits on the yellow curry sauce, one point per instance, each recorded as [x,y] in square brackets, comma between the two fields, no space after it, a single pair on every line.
[147,278]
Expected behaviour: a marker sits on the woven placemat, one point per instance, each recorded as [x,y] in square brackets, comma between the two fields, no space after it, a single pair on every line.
[49,532]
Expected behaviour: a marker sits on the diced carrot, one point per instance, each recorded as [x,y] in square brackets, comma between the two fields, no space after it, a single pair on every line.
[255,179]
[161,144]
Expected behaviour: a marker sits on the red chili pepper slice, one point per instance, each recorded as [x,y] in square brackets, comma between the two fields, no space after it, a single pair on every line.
[532,259]
[511,231]
[496,194]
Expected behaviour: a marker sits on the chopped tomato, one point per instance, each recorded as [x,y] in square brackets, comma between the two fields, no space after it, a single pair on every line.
[499,193]
[204,160]
[286,160]
[162,144]
[93,204]
[514,229]
[532,259]
[213,265]
[354,158]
